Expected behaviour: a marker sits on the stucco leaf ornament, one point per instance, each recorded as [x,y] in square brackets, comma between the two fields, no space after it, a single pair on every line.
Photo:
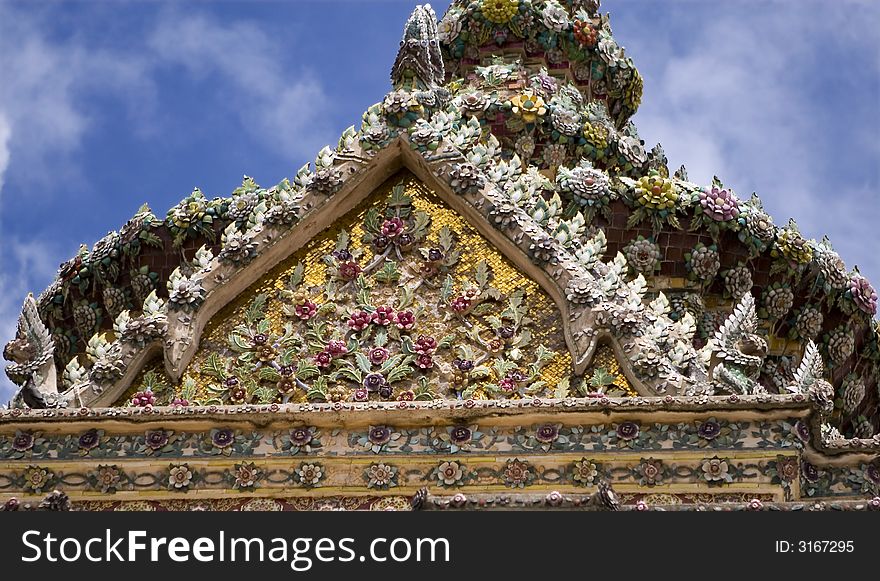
[737,352]
[809,380]
[32,366]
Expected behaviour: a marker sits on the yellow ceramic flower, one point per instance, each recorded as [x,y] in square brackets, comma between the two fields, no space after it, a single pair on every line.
[633,96]
[528,105]
[794,247]
[499,11]
[596,135]
[193,211]
[656,192]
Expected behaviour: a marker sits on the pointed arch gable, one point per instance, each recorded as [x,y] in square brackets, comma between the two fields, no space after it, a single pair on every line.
[183,332]
[223,285]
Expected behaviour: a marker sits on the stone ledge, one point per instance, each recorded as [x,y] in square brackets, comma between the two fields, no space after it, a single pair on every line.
[437,408]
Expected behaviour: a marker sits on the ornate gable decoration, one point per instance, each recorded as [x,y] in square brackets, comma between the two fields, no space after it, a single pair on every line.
[400,300]
[513,121]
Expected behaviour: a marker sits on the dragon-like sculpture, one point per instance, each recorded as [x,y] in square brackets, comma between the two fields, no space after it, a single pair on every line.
[737,352]
[809,379]
[419,64]
[32,367]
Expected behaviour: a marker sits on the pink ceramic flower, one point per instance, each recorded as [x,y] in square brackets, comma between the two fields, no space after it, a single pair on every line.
[392,228]
[378,355]
[383,316]
[306,310]
[359,320]
[405,320]
[323,359]
[719,204]
[863,294]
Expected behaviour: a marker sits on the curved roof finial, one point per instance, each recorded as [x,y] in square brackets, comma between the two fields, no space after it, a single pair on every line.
[419,61]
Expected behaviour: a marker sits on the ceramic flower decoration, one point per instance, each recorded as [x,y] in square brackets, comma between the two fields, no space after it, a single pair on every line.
[528,105]
[499,11]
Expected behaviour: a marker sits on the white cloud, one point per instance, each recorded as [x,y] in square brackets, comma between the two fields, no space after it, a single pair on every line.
[48,104]
[45,99]
[288,111]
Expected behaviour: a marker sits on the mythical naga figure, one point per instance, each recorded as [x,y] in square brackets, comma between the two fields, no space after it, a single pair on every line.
[809,379]
[419,64]
[32,367]
[737,352]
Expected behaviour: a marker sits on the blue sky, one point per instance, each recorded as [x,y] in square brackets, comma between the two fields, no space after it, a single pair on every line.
[108,104]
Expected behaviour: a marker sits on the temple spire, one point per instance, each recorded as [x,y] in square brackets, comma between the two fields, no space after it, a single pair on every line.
[419,64]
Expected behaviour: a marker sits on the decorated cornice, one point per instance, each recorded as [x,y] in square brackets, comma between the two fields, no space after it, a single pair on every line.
[581,410]
[726,449]
[441,408]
